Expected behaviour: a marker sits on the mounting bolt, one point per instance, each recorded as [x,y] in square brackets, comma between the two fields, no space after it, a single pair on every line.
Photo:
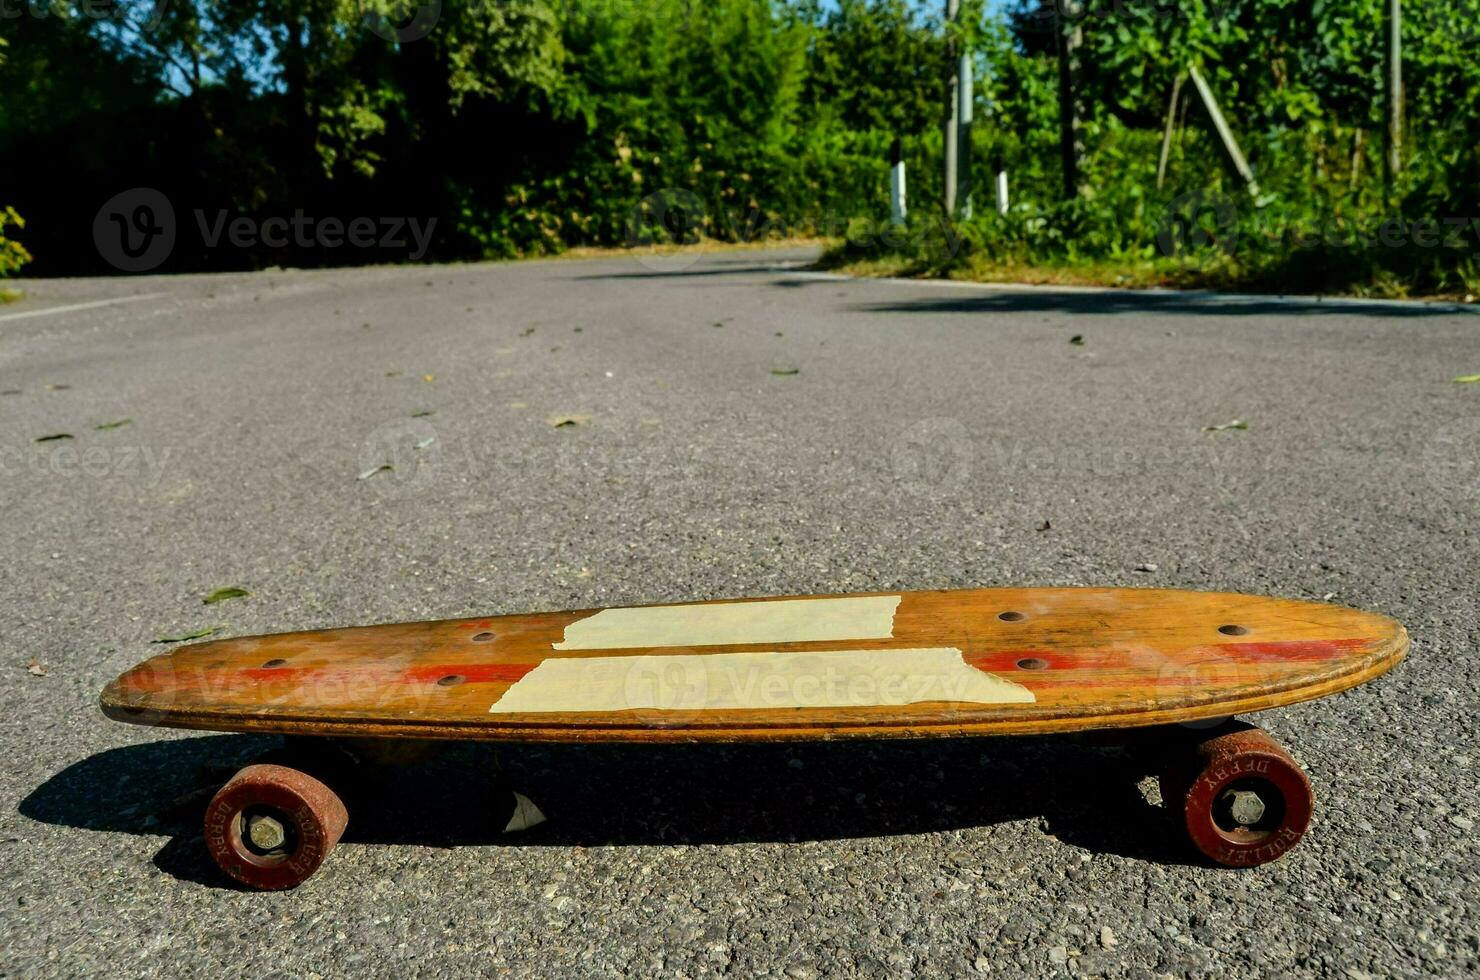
[266,833]
[1245,806]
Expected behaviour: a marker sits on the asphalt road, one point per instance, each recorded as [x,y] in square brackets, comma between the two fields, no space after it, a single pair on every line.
[931,436]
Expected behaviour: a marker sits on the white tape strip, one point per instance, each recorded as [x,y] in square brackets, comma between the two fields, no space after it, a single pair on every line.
[719,681]
[720,623]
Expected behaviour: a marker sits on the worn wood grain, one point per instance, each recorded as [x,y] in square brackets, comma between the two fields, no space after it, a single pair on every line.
[1091,658]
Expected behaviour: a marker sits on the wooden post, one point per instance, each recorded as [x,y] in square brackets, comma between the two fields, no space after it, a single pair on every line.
[1166,134]
[1068,40]
[1225,134]
[1392,160]
[1002,192]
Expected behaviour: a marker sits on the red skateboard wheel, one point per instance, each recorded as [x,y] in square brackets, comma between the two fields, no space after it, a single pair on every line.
[1245,802]
[271,827]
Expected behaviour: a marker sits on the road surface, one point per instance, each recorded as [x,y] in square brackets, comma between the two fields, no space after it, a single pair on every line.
[731,427]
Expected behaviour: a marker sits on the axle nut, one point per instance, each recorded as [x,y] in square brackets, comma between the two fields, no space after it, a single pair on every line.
[1245,806]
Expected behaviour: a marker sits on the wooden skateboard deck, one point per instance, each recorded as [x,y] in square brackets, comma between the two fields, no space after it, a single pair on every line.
[961,662]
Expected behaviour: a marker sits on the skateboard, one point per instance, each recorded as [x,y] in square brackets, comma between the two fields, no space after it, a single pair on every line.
[1173,665]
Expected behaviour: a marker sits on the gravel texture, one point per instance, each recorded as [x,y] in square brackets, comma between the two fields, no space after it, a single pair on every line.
[931,436]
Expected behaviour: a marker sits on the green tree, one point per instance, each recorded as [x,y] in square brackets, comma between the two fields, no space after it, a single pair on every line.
[13,254]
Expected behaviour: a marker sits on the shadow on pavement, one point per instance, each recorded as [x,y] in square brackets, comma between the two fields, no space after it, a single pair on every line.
[1044,299]
[700,269]
[647,794]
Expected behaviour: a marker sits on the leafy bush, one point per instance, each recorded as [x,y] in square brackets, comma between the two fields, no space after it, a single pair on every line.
[13,254]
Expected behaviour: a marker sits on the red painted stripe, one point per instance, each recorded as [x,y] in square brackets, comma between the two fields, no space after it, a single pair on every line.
[1171,668]
[270,674]
[475,673]
[1292,649]
[1002,661]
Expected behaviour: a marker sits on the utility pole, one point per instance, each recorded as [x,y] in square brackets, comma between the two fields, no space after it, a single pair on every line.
[897,207]
[965,90]
[1392,160]
[1068,40]
[951,132]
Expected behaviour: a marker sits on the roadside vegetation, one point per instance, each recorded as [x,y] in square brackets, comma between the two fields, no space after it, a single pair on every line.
[1301,85]
[530,127]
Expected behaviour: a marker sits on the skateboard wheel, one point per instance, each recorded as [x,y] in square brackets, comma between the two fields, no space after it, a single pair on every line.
[1244,800]
[271,827]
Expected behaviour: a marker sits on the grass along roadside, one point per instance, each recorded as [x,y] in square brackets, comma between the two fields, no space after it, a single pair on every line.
[702,247]
[1221,274]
